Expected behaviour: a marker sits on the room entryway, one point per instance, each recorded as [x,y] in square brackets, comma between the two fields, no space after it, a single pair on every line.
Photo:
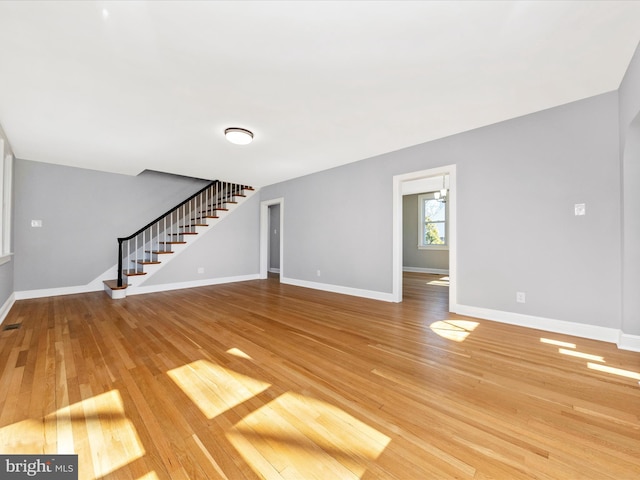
[403,184]
[271,238]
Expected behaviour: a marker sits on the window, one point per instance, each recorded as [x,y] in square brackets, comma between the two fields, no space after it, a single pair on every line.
[432,222]
[6,174]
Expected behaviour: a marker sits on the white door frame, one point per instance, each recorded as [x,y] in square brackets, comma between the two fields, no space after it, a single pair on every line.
[398,180]
[264,235]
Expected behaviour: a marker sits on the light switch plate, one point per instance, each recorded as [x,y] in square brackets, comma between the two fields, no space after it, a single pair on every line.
[580,209]
[36,223]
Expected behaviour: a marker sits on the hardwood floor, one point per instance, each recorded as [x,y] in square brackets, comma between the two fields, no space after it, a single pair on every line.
[262,380]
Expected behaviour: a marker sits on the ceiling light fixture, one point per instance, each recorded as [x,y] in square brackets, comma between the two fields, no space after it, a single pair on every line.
[442,194]
[238,136]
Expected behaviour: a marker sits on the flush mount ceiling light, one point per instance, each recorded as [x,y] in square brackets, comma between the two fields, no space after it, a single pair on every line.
[238,136]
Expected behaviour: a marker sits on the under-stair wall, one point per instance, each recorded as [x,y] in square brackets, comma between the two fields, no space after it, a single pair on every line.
[152,248]
[228,252]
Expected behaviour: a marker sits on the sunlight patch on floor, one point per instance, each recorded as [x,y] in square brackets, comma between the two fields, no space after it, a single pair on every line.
[113,438]
[594,358]
[149,476]
[443,282]
[557,343]
[99,420]
[586,356]
[238,353]
[456,330]
[213,388]
[614,371]
[326,442]
[25,437]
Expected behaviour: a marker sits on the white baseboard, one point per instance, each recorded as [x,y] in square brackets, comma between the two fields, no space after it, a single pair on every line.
[54,292]
[95,285]
[6,307]
[594,332]
[437,271]
[274,270]
[629,342]
[611,335]
[356,292]
[191,284]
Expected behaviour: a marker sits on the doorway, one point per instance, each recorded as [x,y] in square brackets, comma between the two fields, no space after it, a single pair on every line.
[630,232]
[273,262]
[271,237]
[398,182]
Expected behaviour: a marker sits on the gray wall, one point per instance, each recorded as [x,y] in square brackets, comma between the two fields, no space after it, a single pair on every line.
[338,222]
[412,256]
[6,270]
[540,165]
[629,97]
[83,212]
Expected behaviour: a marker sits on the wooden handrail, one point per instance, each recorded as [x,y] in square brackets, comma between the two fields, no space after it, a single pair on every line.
[170,211]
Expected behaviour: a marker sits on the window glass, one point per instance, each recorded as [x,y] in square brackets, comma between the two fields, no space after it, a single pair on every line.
[432,220]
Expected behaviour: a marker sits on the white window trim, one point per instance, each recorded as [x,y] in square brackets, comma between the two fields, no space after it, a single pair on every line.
[6,176]
[421,246]
[433,247]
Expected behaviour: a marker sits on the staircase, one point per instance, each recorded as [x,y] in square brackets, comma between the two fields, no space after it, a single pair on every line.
[146,251]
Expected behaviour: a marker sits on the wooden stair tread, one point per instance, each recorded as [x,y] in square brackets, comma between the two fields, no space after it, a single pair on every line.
[195,225]
[113,284]
[158,252]
[133,273]
[184,233]
[172,243]
[148,262]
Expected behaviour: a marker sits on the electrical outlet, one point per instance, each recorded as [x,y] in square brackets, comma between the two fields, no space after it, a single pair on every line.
[521,297]
[36,223]
[580,209]
[318,273]
[200,269]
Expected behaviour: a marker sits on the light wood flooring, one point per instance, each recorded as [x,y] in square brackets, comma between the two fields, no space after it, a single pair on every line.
[263,380]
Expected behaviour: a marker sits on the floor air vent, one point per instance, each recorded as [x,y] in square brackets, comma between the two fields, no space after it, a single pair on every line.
[13,326]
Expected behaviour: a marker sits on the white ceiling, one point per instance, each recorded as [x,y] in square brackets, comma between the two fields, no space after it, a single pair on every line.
[128,86]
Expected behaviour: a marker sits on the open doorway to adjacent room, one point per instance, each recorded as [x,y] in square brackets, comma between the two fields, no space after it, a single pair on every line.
[424,234]
[273,264]
[271,238]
